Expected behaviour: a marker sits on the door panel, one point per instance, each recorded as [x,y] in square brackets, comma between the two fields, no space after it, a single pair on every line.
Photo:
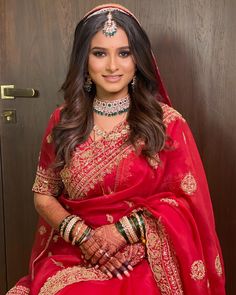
[195,43]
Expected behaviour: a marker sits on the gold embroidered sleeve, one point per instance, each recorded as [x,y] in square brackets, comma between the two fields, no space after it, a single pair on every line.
[47,182]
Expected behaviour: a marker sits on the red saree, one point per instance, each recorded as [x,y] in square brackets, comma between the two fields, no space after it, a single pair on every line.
[107,180]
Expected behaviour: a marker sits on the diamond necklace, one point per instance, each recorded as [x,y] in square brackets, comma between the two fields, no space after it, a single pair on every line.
[111,107]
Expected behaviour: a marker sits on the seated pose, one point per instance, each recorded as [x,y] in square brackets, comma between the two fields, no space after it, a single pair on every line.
[120,189]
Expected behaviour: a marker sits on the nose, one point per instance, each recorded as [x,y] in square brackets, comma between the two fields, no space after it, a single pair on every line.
[112,64]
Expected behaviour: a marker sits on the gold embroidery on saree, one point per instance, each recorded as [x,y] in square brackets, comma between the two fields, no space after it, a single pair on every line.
[198,270]
[57,263]
[91,162]
[162,258]
[170,201]
[218,265]
[110,218]
[18,290]
[189,184]
[42,230]
[47,182]
[68,276]
[170,114]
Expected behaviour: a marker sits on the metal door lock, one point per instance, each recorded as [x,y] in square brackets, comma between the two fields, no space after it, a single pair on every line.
[9,116]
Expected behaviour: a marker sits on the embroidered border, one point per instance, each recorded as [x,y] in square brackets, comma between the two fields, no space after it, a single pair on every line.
[47,182]
[70,276]
[170,114]
[91,162]
[18,290]
[162,258]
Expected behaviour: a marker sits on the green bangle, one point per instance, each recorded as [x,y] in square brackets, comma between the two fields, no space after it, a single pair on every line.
[136,225]
[85,233]
[142,221]
[122,231]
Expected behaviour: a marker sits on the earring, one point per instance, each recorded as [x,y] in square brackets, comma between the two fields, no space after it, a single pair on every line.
[133,83]
[88,84]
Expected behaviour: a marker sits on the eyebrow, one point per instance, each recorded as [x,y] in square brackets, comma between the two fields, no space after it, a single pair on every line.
[102,48]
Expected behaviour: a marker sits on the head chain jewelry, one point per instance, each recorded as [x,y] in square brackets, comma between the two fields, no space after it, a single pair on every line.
[110,26]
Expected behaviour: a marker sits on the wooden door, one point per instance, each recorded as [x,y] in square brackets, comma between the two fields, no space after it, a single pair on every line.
[195,43]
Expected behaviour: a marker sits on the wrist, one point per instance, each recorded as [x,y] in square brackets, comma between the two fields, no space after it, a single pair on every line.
[72,229]
[132,228]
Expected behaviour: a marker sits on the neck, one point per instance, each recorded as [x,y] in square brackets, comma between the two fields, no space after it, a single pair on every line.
[111,96]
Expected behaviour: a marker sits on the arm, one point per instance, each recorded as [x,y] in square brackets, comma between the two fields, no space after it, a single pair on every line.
[50,209]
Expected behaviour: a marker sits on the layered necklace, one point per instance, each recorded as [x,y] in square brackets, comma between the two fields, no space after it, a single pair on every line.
[111,107]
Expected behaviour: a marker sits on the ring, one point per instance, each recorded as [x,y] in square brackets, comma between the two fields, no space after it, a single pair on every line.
[107,255]
[101,251]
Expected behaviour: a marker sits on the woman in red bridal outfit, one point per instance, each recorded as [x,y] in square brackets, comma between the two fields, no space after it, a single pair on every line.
[120,189]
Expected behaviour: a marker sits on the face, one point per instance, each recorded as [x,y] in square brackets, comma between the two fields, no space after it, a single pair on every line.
[111,65]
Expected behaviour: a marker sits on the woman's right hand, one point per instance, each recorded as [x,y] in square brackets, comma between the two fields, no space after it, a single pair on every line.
[103,243]
[124,261]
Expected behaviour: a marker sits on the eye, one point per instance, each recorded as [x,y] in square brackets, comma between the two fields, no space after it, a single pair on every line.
[98,53]
[124,53]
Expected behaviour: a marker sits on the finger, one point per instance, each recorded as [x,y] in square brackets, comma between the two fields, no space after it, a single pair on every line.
[113,270]
[127,264]
[97,256]
[91,251]
[106,271]
[119,266]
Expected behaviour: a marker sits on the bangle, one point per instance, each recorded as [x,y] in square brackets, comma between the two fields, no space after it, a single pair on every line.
[142,221]
[64,223]
[129,230]
[69,228]
[83,236]
[77,232]
[121,230]
[135,224]
[141,227]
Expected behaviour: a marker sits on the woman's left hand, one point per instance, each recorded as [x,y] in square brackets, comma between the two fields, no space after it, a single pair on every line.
[104,242]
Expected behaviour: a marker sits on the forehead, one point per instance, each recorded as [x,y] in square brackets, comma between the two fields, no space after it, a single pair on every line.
[120,39]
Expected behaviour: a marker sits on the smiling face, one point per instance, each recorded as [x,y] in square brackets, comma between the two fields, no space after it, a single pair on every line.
[111,65]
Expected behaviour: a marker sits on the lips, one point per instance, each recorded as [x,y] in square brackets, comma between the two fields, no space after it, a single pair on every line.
[112,78]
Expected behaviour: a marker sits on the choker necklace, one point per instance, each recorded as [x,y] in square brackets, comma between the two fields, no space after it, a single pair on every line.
[111,107]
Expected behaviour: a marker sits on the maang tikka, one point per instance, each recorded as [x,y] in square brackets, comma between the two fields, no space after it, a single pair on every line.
[110,26]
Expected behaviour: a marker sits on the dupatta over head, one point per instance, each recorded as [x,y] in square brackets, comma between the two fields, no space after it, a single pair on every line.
[183,255]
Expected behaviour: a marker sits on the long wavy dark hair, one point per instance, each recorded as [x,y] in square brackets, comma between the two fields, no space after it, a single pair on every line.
[145,116]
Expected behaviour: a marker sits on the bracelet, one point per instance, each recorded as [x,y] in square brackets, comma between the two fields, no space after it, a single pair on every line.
[69,228]
[136,225]
[64,223]
[77,232]
[84,236]
[141,227]
[121,230]
[129,230]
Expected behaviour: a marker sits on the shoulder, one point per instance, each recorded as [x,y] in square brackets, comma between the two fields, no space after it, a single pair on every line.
[170,115]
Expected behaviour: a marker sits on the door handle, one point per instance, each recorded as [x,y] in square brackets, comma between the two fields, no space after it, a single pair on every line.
[10,92]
